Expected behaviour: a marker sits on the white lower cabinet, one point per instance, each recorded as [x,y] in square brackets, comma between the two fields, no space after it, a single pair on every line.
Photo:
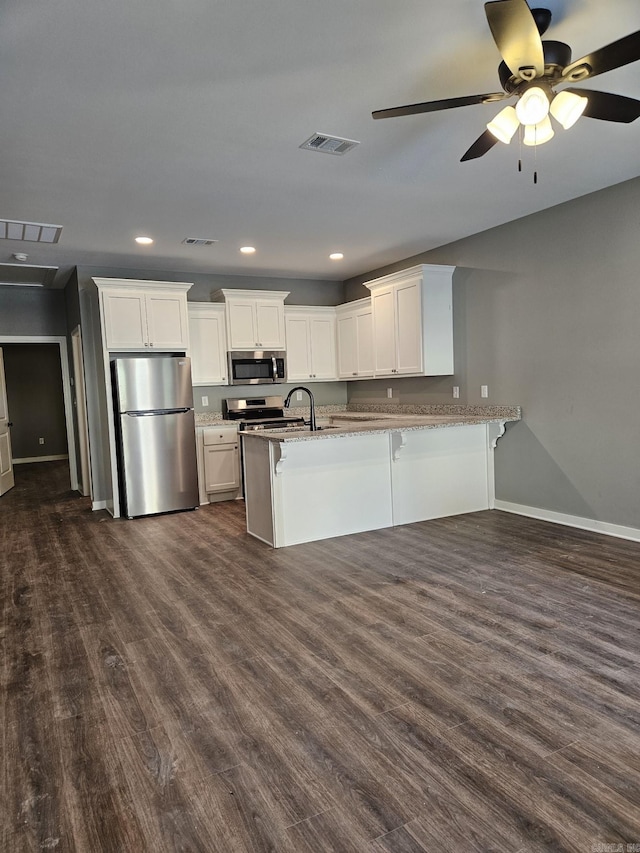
[208,343]
[219,468]
[311,343]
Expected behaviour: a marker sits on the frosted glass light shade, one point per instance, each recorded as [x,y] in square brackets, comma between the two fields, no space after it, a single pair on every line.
[538,134]
[533,106]
[567,107]
[504,125]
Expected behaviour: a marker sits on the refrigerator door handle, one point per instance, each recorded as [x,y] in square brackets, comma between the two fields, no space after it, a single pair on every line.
[156,413]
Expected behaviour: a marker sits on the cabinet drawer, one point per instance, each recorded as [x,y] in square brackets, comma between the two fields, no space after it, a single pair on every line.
[219,435]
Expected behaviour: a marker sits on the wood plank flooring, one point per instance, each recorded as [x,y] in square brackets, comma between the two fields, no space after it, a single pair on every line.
[170,684]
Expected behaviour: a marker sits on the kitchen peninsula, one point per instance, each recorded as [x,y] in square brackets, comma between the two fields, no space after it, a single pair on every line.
[370,470]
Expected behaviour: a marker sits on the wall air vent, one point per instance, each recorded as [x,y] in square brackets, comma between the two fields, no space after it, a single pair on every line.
[198,241]
[329,144]
[33,232]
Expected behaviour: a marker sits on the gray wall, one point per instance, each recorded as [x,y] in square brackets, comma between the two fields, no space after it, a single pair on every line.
[32,311]
[548,311]
[35,399]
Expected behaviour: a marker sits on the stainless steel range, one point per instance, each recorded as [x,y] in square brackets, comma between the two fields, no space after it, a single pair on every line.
[255,413]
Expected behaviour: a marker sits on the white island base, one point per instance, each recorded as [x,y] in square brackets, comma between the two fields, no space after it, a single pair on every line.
[324,485]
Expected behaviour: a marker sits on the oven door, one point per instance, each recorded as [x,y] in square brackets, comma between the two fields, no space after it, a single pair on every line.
[256,368]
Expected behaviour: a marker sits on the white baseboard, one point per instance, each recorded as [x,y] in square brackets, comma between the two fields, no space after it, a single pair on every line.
[25,459]
[591,524]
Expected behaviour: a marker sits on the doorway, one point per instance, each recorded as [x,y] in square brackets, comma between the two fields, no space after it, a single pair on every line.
[61,344]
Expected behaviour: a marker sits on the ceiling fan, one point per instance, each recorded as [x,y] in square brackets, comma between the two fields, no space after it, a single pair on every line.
[530,71]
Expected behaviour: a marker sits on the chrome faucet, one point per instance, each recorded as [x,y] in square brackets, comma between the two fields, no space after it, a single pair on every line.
[312,405]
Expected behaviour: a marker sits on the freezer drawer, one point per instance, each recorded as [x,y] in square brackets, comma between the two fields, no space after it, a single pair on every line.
[158,462]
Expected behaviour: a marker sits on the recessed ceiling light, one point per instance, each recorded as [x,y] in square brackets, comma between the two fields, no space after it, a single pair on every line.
[144,241]
[247,250]
[336,256]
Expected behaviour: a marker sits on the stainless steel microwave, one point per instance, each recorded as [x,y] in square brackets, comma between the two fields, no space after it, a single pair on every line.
[257,368]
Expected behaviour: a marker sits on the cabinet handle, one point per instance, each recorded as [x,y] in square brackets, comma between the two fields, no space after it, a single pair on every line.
[146,344]
[354,374]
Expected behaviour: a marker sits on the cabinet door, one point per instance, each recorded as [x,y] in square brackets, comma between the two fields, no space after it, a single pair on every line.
[322,337]
[221,469]
[242,322]
[270,324]
[408,313]
[384,331]
[207,347]
[364,340]
[298,349]
[347,346]
[167,324]
[125,320]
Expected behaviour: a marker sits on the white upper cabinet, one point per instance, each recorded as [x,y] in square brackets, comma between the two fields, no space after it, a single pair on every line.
[208,343]
[143,314]
[355,339]
[311,343]
[255,318]
[413,322]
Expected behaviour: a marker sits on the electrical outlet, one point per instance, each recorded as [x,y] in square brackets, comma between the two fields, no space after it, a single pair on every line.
[390,393]
[41,441]
[298,395]
[456,392]
[484,390]
[205,400]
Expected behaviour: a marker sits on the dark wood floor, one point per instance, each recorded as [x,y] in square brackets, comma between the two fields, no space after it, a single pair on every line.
[169,684]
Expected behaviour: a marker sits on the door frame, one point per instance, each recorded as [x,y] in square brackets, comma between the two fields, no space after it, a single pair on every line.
[84,445]
[66,391]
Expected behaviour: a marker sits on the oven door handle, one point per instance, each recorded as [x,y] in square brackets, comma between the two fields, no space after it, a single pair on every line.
[274,368]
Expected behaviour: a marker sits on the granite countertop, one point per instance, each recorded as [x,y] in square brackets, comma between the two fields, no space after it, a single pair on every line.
[357,422]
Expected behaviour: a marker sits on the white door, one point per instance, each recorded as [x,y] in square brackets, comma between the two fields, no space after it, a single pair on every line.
[6,463]
[270,324]
[408,311]
[347,347]
[125,320]
[242,331]
[298,364]
[167,324]
[384,331]
[322,334]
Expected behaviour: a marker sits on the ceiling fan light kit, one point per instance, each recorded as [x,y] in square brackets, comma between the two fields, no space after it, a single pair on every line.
[566,108]
[538,134]
[529,71]
[504,125]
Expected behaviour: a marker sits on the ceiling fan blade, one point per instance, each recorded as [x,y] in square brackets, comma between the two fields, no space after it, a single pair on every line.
[480,147]
[609,107]
[516,35]
[614,55]
[434,106]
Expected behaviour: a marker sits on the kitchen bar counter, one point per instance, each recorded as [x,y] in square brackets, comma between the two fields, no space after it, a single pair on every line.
[369,470]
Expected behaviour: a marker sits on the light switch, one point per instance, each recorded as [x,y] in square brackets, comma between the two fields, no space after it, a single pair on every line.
[390,393]
[484,390]
[298,395]
[205,400]
[456,392]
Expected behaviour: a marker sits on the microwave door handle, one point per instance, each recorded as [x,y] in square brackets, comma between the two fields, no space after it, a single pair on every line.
[274,368]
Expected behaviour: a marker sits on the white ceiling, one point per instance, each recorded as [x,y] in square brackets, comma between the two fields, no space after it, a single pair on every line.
[182,118]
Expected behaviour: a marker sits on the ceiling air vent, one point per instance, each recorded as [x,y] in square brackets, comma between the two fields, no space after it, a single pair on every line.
[34,232]
[329,144]
[198,241]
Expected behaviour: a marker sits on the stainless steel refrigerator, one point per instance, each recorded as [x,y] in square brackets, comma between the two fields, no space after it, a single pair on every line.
[155,427]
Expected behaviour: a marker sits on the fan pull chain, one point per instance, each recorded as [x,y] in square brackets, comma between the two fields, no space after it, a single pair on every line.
[520,141]
[535,157]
